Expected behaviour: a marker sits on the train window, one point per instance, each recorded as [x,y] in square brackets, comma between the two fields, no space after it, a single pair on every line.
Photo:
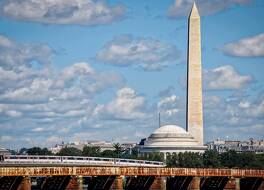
[52,158]
[97,159]
[70,158]
[43,158]
[79,158]
[148,162]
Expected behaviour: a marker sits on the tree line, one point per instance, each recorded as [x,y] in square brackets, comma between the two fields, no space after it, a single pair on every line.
[213,159]
[208,159]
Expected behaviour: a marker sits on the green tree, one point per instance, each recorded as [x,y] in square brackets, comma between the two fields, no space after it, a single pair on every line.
[211,159]
[172,160]
[38,151]
[186,159]
[108,154]
[258,161]
[91,151]
[230,159]
[70,151]
[22,151]
[45,151]
[118,149]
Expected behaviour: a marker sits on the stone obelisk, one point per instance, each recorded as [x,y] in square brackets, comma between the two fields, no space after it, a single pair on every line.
[194,120]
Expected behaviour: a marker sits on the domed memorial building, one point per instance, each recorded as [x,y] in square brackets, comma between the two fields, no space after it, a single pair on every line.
[169,139]
[172,138]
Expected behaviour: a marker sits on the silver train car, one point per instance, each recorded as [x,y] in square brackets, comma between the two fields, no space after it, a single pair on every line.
[77,160]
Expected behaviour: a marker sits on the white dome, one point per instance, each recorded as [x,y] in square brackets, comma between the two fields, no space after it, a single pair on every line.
[171,138]
[169,129]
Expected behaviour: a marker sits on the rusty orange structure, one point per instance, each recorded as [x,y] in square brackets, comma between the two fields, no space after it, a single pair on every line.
[133,178]
[127,171]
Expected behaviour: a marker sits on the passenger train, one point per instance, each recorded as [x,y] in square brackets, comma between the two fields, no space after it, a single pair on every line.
[77,160]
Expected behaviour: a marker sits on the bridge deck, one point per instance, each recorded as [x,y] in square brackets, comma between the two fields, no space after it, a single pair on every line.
[126,171]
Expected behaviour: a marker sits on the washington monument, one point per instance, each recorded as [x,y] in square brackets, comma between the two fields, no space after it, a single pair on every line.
[194,115]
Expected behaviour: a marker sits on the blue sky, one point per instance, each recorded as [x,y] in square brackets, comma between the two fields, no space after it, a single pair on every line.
[80,70]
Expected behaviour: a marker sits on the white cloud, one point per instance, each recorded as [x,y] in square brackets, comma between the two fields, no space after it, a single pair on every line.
[247,47]
[82,12]
[127,105]
[256,109]
[225,78]
[13,113]
[145,53]
[76,81]
[14,54]
[53,140]
[244,104]
[168,105]
[38,91]
[38,99]
[5,138]
[38,129]
[181,8]
[172,110]
[233,117]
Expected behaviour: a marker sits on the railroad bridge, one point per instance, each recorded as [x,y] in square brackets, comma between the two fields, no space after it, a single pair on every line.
[127,177]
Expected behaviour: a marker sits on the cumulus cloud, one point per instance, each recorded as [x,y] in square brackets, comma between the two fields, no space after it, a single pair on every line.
[13,54]
[181,8]
[168,105]
[225,78]
[82,12]
[254,110]
[172,109]
[144,53]
[37,99]
[76,81]
[19,62]
[127,105]
[246,47]
[224,116]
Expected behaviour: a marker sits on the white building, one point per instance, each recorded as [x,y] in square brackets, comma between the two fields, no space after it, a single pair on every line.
[169,139]
[172,138]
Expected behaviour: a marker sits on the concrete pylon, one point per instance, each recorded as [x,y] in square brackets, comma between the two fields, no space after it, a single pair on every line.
[194,115]
[25,184]
[195,184]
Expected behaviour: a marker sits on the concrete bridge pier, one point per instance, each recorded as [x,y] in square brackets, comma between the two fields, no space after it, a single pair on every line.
[237,183]
[25,184]
[159,183]
[195,183]
[118,183]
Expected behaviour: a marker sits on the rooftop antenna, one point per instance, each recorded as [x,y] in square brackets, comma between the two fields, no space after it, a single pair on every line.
[159,120]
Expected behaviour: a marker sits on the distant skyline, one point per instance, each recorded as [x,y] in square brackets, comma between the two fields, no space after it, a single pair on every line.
[81,70]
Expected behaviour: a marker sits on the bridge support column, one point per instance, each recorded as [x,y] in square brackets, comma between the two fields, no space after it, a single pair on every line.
[80,182]
[159,183]
[237,182]
[231,184]
[73,184]
[262,185]
[25,184]
[195,184]
[118,183]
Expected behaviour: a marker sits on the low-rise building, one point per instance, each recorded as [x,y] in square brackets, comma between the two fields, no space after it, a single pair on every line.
[251,145]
